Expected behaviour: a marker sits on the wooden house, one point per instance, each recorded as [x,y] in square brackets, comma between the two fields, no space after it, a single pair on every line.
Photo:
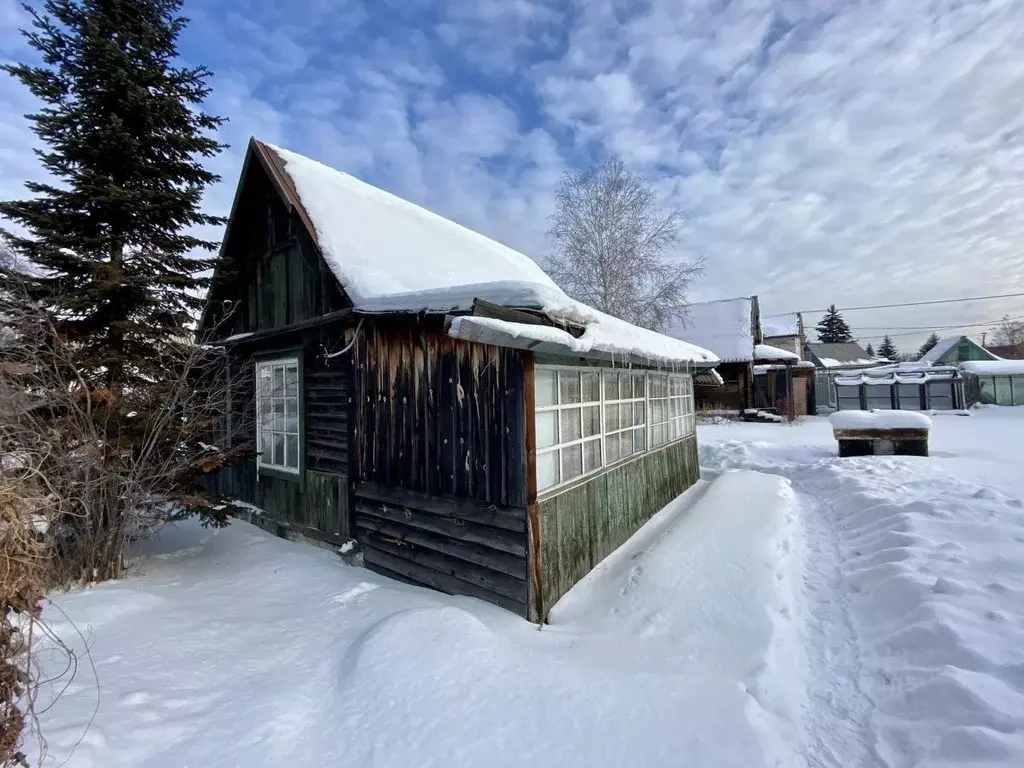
[755,376]
[422,390]
[954,350]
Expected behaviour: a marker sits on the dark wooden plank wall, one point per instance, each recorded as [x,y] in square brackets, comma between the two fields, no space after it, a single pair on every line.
[272,272]
[439,460]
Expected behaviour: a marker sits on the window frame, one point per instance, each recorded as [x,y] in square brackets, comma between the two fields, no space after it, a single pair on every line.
[285,357]
[604,404]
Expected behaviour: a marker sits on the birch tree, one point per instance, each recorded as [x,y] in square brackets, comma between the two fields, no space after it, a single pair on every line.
[612,246]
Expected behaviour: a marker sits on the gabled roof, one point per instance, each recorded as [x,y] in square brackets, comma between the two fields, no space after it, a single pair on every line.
[848,355]
[942,346]
[390,255]
[728,327]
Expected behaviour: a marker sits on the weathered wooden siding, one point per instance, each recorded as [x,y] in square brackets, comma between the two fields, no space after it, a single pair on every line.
[327,414]
[579,527]
[271,271]
[455,545]
[439,415]
[439,460]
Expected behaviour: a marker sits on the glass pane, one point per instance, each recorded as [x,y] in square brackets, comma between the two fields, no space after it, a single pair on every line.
[591,455]
[611,449]
[266,380]
[292,416]
[625,440]
[657,435]
[278,449]
[569,386]
[1004,393]
[291,379]
[625,414]
[279,421]
[611,386]
[1017,384]
[611,418]
[638,413]
[569,422]
[547,470]
[987,394]
[591,387]
[639,440]
[879,397]
[591,420]
[546,387]
[638,384]
[572,462]
[291,451]
[625,391]
[547,428]
[266,448]
[910,396]
[278,380]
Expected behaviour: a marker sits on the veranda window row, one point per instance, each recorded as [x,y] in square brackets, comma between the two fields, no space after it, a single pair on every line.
[588,419]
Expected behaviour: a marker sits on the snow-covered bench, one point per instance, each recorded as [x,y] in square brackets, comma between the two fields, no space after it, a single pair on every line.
[877,433]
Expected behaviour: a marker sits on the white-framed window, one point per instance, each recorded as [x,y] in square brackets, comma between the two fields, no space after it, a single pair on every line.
[590,418]
[277,414]
[672,415]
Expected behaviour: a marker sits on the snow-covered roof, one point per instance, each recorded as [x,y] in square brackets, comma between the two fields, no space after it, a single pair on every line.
[391,255]
[722,326]
[993,367]
[768,352]
[845,355]
[780,325]
[879,420]
[942,346]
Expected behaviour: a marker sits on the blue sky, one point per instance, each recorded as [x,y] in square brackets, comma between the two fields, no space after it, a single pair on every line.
[846,151]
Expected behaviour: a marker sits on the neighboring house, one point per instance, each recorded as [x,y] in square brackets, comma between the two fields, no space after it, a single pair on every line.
[430,393]
[785,332]
[1007,351]
[829,361]
[954,350]
[755,375]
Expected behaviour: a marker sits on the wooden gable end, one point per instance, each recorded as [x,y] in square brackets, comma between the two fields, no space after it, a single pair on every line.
[270,273]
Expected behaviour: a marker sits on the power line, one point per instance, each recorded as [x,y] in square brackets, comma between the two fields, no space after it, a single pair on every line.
[935,328]
[913,303]
[987,323]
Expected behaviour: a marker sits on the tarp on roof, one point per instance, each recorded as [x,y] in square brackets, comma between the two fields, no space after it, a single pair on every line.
[724,327]
[391,255]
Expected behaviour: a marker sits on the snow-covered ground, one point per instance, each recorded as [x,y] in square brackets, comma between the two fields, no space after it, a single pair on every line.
[792,609]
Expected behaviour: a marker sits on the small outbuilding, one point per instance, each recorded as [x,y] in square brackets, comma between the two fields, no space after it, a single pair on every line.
[416,388]
[954,350]
[902,386]
[756,377]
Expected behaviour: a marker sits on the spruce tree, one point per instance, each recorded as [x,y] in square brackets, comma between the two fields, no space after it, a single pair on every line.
[870,350]
[833,328]
[887,349]
[124,132]
[930,342]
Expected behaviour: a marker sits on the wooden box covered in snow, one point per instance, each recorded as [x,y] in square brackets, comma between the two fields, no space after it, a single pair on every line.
[881,433]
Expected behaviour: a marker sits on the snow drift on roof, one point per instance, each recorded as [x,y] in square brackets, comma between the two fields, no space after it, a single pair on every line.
[768,352]
[378,244]
[723,326]
[780,325]
[391,255]
[993,367]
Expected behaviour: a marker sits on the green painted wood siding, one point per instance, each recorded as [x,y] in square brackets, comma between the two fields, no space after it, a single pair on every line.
[581,526]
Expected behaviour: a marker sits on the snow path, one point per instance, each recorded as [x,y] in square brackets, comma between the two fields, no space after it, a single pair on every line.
[914,590]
